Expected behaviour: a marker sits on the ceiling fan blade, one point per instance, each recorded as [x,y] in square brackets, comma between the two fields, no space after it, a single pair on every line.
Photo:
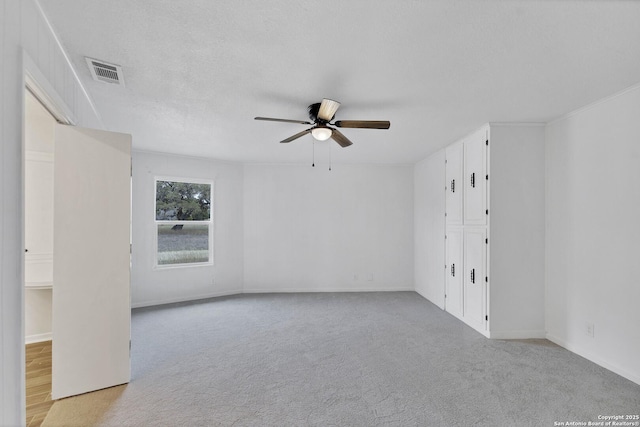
[338,137]
[328,108]
[297,135]
[363,124]
[269,119]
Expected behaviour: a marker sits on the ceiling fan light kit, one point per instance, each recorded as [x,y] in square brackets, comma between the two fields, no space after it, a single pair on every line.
[321,115]
[321,133]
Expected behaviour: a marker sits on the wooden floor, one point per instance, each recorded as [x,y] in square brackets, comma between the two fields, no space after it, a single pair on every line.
[38,372]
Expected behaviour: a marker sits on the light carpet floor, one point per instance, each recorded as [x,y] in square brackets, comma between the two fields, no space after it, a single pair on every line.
[340,359]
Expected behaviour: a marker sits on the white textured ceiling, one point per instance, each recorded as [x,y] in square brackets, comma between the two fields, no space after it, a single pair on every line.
[198,72]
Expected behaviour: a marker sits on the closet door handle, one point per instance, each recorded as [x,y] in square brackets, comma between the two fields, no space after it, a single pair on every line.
[453,185]
[473,275]
[473,180]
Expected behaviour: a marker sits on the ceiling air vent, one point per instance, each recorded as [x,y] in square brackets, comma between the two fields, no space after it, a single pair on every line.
[104,72]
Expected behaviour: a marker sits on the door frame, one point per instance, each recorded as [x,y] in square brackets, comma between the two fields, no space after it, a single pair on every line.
[39,86]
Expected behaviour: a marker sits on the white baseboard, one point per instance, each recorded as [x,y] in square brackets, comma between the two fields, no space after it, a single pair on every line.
[500,335]
[517,335]
[185,299]
[423,295]
[315,290]
[30,339]
[151,303]
[595,359]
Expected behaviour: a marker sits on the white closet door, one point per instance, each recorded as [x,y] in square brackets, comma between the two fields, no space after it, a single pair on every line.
[454,273]
[474,277]
[475,186]
[454,184]
[91,302]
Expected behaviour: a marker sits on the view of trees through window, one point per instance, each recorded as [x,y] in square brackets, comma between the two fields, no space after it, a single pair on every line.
[183,219]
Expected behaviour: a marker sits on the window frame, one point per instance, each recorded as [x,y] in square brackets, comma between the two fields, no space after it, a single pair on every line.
[210,222]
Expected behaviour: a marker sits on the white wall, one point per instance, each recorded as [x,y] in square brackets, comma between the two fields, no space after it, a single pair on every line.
[151,285]
[37,319]
[429,208]
[22,26]
[516,230]
[593,232]
[281,228]
[311,229]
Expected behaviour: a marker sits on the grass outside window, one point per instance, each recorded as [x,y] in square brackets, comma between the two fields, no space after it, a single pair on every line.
[183,222]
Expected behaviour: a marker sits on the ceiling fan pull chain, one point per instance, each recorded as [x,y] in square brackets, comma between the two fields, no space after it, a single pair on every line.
[329,157]
[313,151]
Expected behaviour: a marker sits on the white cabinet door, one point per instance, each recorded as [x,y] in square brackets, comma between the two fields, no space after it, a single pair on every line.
[474,277]
[91,302]
[454,184]
[475,183]
[454,273]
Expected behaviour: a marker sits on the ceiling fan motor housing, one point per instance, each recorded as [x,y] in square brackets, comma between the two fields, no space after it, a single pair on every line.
[313,112]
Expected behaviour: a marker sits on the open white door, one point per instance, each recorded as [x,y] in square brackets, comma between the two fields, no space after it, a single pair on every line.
[91,261]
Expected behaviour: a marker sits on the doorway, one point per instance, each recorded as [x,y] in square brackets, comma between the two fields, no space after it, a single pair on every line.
[39,128]
[38,219]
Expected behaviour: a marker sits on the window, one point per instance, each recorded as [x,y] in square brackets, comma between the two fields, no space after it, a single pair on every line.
[184,224]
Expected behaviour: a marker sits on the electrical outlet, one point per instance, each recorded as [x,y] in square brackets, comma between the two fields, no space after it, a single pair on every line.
[370,277]
[355,277]
[213,281]
[589,329]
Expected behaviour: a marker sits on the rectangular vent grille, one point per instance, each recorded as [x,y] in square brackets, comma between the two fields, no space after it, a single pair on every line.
[104,72]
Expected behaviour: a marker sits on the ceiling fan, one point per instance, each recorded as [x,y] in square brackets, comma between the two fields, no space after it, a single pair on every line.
[321,115]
